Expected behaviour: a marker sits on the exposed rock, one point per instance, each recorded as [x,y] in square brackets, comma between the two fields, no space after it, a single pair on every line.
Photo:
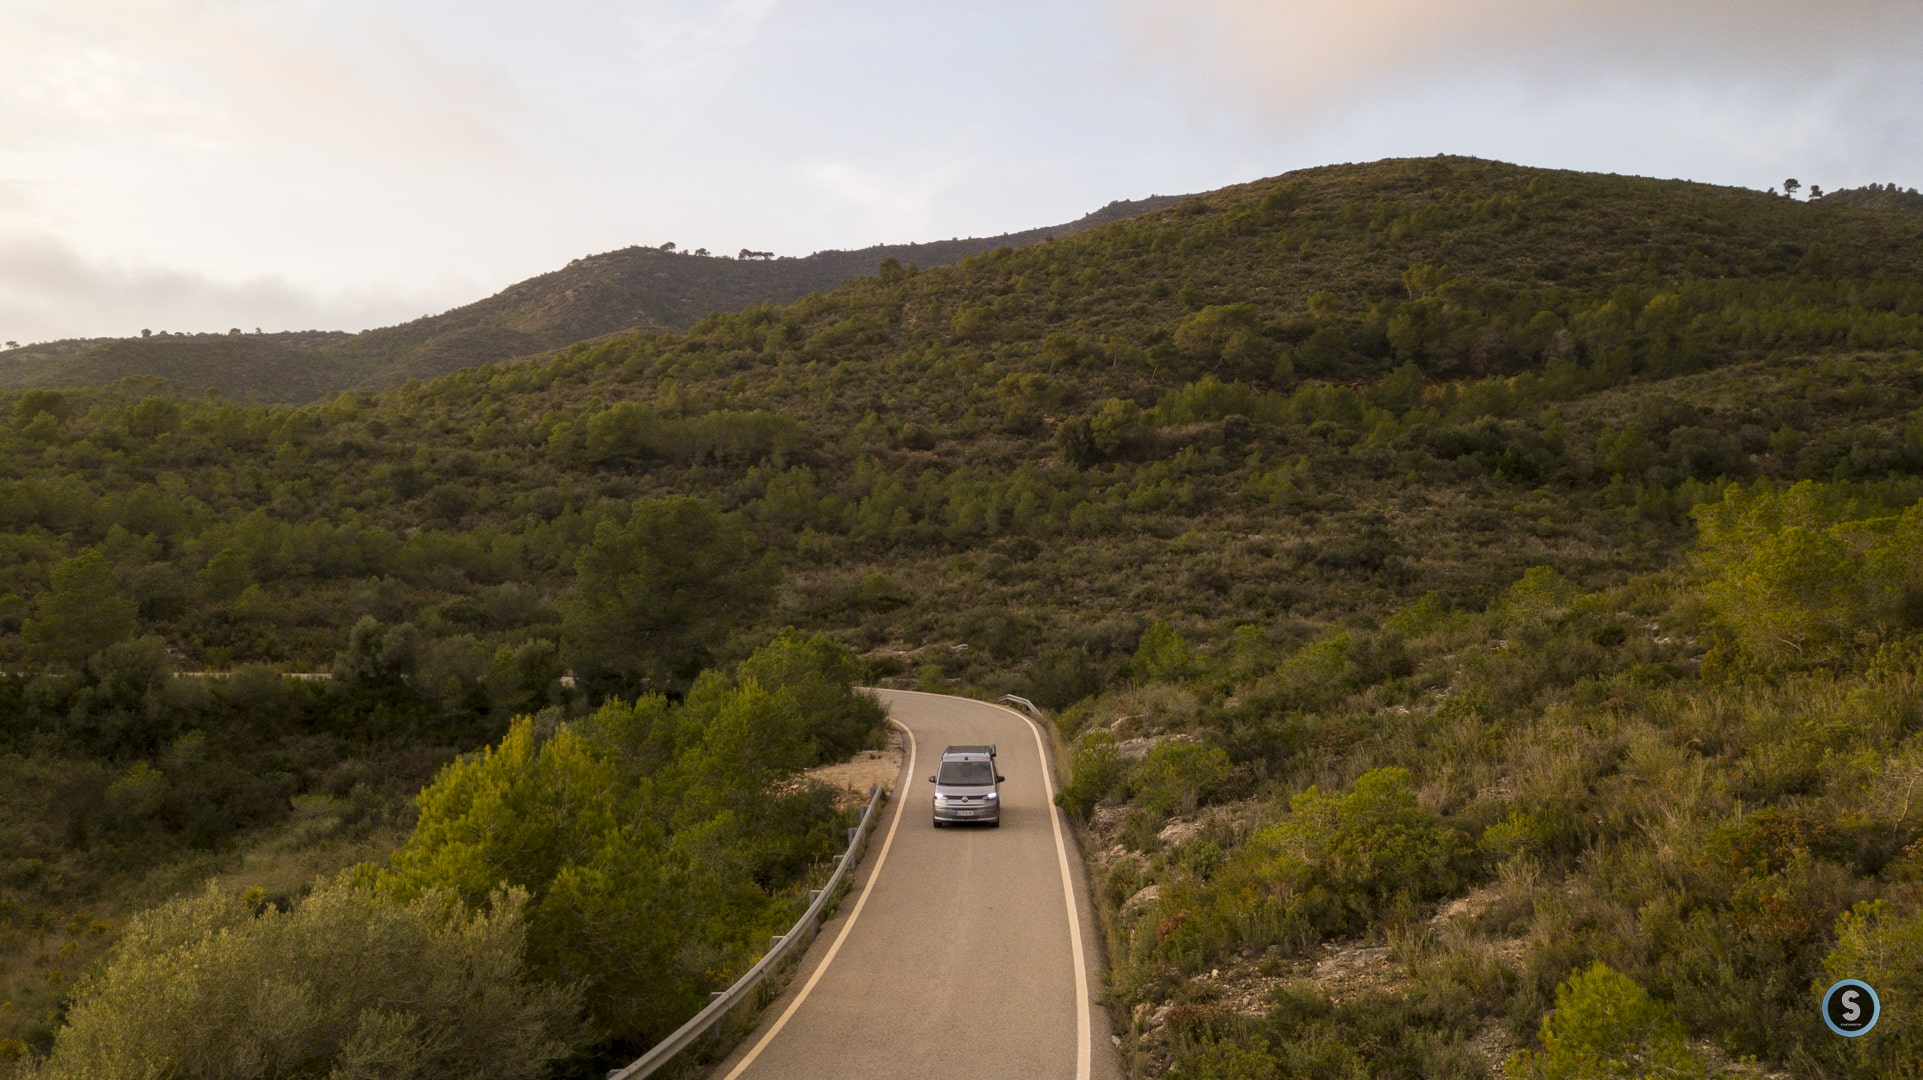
[1137,749]
[1494,1042]
[1510,952]
[1470,906]
[1353,971]
[1146,895]
[1178,832]
[1244,989]
[1721,1065]
[1347,962]
[1498,789]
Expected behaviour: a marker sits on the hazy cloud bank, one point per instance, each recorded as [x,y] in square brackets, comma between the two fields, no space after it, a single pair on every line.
[179,165]
[47,290]
[1291,59]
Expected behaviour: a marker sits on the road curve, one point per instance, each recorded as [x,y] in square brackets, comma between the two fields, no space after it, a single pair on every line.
[956,953]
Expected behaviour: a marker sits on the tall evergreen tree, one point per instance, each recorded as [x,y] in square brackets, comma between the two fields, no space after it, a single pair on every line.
[83,613]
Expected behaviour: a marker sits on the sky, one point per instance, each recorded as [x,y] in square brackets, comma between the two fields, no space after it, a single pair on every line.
[194,165]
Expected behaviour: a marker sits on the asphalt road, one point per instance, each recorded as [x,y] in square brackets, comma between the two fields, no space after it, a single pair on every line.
[955,954]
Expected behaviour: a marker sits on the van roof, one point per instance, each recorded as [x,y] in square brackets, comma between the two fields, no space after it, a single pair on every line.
[962,751]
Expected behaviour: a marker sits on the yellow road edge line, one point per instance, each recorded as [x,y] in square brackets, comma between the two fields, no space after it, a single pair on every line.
[853,914]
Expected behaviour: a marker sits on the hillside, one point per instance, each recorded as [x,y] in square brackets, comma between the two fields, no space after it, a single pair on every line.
[1877,197]
[292,366]
[590,297]
[1448,576]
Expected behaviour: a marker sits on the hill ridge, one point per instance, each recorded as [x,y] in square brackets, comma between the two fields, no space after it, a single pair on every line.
[592,296]
[1525,554]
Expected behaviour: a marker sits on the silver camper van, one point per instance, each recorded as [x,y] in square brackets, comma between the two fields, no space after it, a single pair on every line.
[966,787]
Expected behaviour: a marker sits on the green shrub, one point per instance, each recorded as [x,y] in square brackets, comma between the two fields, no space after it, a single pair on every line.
[1522,832]
[83,612]
[658,593]
[1177,775]
[1162,654]
[1801,580]
[1095,771]
[1347,857]
[1406,1035]
[1606,1026]
[669,834]
[1336,863]
[813,677]
[343,985]
[1223,1059]
[1060,677]
[1883,948]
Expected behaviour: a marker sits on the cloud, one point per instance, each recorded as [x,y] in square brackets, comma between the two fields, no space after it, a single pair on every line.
[50,291]
[215,75]
[884,206]
[262,147]
[1295,61]
[683,43]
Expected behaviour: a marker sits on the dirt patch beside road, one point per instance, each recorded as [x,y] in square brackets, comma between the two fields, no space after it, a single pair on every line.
[866,769]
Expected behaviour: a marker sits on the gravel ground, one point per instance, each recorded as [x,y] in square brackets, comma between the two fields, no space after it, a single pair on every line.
[865,769]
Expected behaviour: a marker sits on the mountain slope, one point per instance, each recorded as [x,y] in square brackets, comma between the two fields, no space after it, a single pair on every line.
[590,297]
[1493,325]
[1512,566]
[1877,197]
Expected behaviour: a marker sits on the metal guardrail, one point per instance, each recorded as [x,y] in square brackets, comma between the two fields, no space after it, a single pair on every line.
[1026,704]
[797,938]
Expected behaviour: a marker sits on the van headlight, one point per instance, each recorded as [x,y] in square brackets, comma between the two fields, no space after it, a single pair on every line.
[993,796]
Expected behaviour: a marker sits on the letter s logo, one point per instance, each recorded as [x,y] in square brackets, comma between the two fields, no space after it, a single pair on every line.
[1850,1007]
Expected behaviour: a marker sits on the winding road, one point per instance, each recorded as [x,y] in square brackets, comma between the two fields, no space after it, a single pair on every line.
[960,952]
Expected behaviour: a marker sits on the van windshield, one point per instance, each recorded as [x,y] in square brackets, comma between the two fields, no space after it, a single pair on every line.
[967,773]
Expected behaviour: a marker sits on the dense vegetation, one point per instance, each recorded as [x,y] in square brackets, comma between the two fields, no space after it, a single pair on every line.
[663,287]
[215,986]
[1693,786]
[1373,524]
[564,896]
[1878,197]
